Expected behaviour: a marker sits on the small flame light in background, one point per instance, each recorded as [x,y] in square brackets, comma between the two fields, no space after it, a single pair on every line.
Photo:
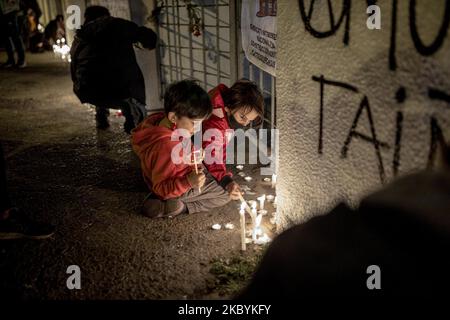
[62,50]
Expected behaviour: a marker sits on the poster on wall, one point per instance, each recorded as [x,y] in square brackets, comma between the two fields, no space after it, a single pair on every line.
[259,33]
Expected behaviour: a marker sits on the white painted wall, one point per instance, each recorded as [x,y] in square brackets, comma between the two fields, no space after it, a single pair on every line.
[309,182]
[140,10]
[49,9]
[82,5]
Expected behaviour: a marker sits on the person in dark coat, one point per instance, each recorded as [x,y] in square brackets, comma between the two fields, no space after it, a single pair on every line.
[403,229]
[104,69]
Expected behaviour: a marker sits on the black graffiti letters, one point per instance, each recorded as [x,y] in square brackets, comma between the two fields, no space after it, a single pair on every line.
[334,26]
[437,43]
[322,82]
[424,49]
[364,111]
[364,105]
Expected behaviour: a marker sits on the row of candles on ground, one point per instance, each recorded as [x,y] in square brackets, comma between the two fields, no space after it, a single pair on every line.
[62,49]
[258,237]
[248,178]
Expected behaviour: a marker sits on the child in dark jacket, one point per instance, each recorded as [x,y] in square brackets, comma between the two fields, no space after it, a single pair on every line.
[233,108]
[176,186]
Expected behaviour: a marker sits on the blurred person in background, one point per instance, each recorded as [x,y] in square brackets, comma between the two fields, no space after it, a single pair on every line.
[104,69]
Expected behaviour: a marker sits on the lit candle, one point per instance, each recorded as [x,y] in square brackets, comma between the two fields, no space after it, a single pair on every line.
[229,226]
[263,239]
[63,40]
[196,167]
[262,199]
[242,220]
[258,220]
[274,180]
[255,224]
[244,203]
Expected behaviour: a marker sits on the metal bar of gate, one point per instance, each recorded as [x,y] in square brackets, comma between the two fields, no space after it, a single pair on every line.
[179,42]
[191,51]
[174,24]
[218,42]
[234,41]
[272,103]
[168,51]
[204,51]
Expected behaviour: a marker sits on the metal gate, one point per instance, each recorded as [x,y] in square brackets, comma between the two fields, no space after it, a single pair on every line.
[215,56]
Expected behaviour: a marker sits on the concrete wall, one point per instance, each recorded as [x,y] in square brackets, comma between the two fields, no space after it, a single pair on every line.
[70,34]
[392,85]
[140,10]
[50,8]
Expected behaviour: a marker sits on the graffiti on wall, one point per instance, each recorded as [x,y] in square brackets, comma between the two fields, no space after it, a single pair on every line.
[364,111]
[426,50]
[436,134]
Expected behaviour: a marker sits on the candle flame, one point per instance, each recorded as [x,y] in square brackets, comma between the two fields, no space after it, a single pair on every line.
[258,220]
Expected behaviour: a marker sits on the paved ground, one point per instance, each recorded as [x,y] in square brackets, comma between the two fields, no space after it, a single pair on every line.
[88,183]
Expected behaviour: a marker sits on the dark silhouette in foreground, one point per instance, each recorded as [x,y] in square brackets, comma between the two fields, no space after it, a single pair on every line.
[14,222]
[404,229]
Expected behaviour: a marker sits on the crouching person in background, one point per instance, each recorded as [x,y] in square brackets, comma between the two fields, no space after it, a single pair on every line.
[104,69]
[176,186]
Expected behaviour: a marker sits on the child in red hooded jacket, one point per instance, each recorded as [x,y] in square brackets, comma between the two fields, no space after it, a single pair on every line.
[176,187]
[233,108]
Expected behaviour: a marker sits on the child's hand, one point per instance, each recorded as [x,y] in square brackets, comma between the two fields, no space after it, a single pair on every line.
[234,190]
[196,180]
[199,156]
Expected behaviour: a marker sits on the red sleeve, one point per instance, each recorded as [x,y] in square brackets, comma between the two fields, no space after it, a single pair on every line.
[218,170]
[169,180]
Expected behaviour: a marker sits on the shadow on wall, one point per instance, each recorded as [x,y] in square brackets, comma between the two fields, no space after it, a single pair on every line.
[395,244]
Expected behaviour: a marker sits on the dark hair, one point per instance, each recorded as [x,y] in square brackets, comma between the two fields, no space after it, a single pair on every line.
[94,12]
[244,94]
[187,99]
[59,17]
